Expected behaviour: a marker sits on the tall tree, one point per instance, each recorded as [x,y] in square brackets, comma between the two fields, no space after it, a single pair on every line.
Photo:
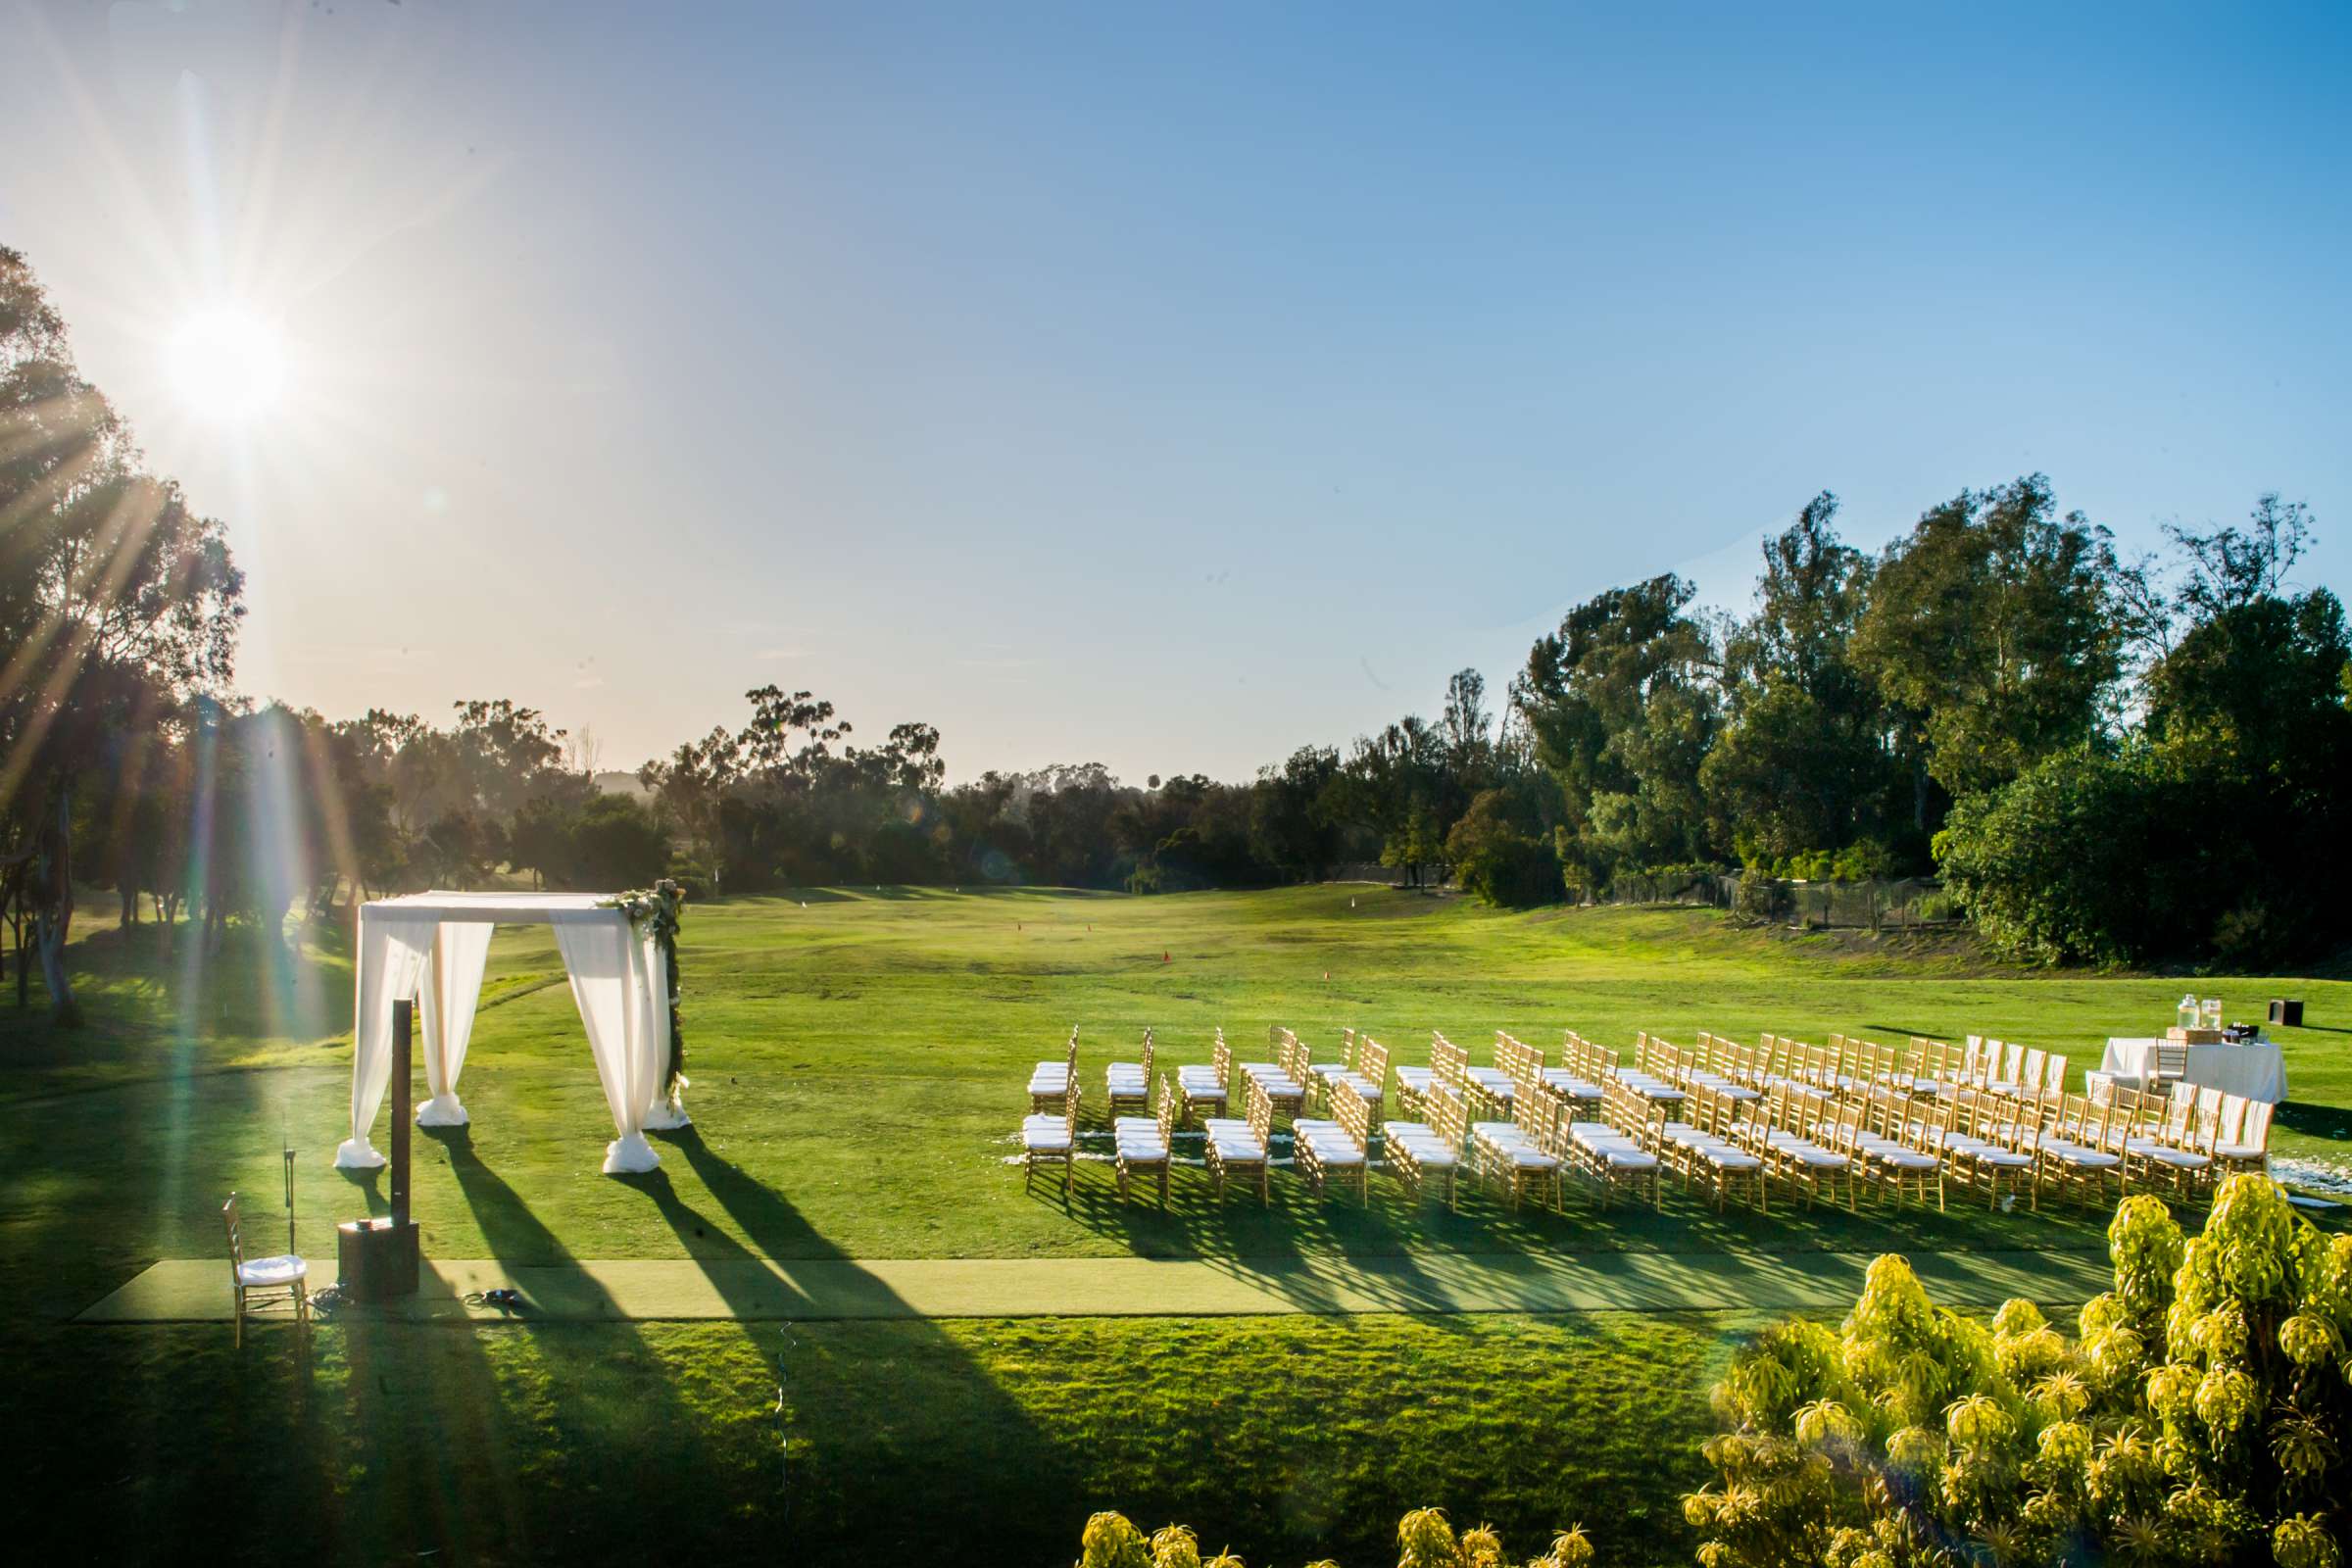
[1804,762]
[1994,628]
[503,754]
[1291,824]
[1623,703]
[117,600]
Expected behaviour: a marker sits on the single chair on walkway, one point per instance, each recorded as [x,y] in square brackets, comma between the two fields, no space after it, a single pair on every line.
[265,1278]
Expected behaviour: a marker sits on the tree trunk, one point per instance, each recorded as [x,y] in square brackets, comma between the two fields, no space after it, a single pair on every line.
[53,912]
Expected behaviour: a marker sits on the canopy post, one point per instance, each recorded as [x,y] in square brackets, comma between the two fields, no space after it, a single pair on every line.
[404,1020]
[377,1259]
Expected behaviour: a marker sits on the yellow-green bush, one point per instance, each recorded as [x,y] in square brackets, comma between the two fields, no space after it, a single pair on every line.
[2200,1416]
[1425,1538]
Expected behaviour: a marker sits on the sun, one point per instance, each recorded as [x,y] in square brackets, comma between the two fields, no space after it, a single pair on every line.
[228,365]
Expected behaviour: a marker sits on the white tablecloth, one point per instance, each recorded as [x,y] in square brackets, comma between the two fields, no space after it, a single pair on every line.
[2254,1069]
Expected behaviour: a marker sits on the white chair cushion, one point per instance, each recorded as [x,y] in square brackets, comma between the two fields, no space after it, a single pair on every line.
[1042,1084]
[1143,1150]
[1416,1079]
[1230,1147]
[1226,1127]
[1596,1136]
[1272,1079]
[1125,1125]
[2238,1151]
[1045,1134]
[1364,1087]
[283,1269]
[1569,1084]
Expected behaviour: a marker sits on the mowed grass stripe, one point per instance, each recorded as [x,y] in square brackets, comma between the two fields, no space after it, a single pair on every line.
[192,1290]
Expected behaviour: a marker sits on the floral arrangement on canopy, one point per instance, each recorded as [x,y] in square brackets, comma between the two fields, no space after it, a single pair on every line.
[656,909]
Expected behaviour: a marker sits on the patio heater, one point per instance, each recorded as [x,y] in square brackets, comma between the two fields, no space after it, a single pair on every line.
[377,1259]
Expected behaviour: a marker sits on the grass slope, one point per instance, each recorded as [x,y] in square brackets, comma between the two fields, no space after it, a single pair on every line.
[856,1060]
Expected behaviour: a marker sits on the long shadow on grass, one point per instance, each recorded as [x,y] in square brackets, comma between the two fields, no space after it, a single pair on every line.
[600,1436]
[2316,1121]
[929,1422]
[1271,1245]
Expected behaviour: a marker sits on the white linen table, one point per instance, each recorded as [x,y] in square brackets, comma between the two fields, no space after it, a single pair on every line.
[2254,1069]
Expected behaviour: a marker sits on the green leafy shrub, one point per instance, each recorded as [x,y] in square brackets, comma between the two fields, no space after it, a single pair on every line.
[2074,862]
[1758,895]
[1498,862]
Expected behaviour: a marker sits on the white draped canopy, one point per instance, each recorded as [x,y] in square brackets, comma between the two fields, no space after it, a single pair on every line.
[431,947]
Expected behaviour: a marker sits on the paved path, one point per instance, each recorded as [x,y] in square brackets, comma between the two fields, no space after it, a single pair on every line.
[197,1290]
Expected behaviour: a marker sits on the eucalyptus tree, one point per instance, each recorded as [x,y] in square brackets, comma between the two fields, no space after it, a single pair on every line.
[1994,628]
[1623,703]
[1805,760]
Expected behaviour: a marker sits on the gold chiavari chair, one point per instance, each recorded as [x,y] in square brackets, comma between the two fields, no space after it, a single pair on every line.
[1203,1087]
[1048,1140]
[1238,1145]
[1145,1145]
[1051,1082]
[256,1280]
[1127,1085]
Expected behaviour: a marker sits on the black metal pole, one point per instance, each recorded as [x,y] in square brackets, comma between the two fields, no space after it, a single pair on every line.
[402,1023]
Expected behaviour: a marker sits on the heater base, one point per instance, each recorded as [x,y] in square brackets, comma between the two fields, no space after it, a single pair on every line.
[377,1260]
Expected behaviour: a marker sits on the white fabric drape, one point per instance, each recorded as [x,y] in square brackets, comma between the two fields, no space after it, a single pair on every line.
[393,945]
[610,984]
[453,986]
[665,1112]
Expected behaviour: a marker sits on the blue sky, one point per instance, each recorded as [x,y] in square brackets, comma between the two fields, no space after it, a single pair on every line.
[1168,387]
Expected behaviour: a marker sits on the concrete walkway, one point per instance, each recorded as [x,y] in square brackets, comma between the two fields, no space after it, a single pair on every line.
[687,1288]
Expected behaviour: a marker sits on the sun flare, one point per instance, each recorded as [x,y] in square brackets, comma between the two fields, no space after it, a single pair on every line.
[228,365]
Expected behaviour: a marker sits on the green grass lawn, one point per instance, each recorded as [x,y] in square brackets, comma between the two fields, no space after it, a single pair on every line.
[858,1060]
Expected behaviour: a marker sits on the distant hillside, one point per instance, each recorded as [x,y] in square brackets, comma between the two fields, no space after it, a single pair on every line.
[612,781]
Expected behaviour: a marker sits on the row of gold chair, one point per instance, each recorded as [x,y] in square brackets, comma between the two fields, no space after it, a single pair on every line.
[1822,1122]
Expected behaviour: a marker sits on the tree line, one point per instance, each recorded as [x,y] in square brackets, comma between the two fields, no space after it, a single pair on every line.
[2109,760]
